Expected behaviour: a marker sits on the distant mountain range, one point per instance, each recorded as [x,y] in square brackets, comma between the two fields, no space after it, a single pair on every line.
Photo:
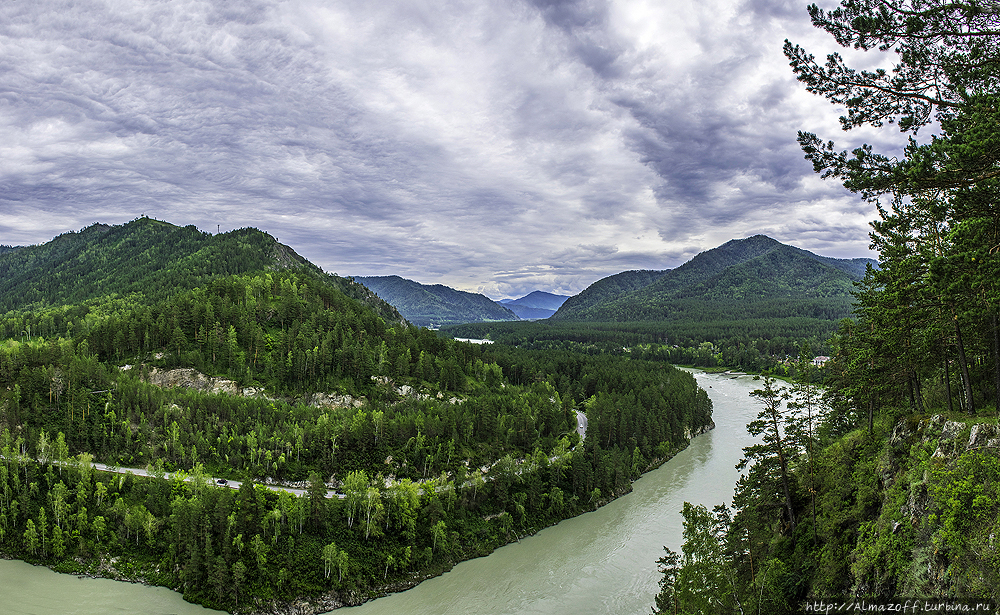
[535,305]
[745,279]
[436,304]
[756,277]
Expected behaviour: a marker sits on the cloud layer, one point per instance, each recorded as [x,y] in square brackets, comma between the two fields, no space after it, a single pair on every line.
[502,147]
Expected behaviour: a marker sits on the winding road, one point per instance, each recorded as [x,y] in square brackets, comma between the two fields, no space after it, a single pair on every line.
[581,428]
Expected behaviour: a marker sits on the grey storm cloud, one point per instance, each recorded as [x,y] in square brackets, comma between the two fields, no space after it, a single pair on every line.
[501,147]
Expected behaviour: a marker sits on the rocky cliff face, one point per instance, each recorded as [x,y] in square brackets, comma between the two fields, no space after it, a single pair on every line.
[688,434]
[190,378]
[935,534]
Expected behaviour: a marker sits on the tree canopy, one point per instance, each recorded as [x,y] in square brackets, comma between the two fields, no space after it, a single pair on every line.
[947,72]
[870,501]
[935,296]
[412,451]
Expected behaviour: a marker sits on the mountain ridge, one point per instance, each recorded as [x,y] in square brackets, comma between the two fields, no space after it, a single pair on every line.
[540,299]
[754,270]
[536,305]
[151,258]
[435,304]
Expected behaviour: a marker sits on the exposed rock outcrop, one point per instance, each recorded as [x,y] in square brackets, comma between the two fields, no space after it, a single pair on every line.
[190,378]
[327,400]
[688,433]
[921,456]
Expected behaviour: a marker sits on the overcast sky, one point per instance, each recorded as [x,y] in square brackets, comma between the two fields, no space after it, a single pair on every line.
[495,146]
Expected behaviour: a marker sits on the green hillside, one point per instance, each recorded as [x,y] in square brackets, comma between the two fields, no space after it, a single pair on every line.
[148,260]
[414,451]
[436,304]
[751,278]
[605,289]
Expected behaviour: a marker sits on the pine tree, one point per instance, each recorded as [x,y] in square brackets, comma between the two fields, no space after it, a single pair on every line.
[770,460]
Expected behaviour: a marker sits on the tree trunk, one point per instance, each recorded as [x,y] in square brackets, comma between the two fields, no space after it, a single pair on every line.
[947,381]
[963,365]
[996,356]
[784,472]
[871,415]
[910,388]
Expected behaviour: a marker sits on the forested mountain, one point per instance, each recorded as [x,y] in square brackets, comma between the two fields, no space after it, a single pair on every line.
[756,277]
[607,289]
[434,304]
[147,257]
[438,450]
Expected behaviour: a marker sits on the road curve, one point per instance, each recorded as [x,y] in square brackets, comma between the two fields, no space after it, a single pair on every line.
[231,484]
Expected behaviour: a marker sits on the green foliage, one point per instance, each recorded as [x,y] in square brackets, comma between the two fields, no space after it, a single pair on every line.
[442,450]
[881,502]
[743,279]
[778,431]
[968,513]
[703,579]
[931,311]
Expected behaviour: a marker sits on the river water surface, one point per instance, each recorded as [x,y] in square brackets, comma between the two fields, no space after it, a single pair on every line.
[603,562]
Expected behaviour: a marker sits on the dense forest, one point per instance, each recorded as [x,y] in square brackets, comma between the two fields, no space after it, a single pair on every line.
[412,451]
[148,259]
[743,279]
[887,488]
[753,345]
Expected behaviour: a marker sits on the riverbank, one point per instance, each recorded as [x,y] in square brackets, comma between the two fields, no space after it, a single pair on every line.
[601,562]
[148,571]
[334,600]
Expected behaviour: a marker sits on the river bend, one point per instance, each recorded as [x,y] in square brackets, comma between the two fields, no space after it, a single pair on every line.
[603,562]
